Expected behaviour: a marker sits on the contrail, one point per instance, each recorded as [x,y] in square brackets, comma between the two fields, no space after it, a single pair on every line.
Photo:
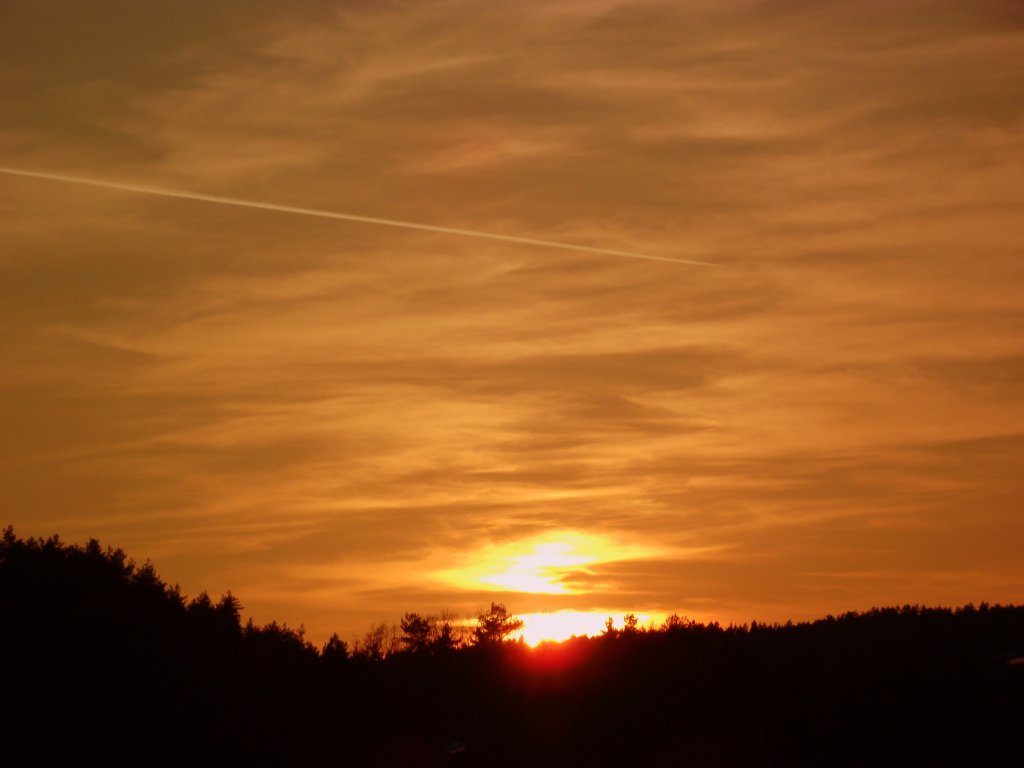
[346,216]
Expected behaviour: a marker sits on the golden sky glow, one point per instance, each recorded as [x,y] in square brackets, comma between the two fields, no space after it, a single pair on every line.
[543,564]
[341,422]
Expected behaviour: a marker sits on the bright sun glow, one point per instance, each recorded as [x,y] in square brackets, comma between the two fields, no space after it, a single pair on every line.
[561,625]
[553,564]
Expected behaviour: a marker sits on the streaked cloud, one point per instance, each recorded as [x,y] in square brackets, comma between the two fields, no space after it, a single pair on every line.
[314,415]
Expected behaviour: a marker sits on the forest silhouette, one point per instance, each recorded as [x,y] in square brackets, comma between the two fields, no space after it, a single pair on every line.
[104,661]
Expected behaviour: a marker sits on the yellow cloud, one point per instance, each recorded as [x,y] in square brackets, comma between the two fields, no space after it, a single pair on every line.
[541,564]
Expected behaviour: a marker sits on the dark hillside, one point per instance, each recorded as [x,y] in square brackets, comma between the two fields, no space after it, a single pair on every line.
[102,659]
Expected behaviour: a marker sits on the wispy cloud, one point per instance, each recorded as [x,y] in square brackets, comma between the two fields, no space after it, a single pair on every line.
[349,217]
[312,414]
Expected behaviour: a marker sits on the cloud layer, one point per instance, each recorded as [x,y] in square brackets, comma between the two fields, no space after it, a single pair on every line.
[317,414]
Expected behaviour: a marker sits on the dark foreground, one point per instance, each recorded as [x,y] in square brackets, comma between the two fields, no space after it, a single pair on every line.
[102,661]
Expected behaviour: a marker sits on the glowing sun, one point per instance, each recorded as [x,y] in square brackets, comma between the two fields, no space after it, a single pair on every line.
[556,563]
[557,626]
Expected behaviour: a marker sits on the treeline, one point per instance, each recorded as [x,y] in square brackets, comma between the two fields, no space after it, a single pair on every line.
[103,660]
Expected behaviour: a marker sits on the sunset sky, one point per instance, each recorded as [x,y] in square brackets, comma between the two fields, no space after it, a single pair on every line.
[341,421]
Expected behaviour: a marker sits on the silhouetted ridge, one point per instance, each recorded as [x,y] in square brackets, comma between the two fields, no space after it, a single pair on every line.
[102,658]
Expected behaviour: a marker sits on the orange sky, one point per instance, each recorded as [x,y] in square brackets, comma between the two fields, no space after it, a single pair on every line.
[342,422]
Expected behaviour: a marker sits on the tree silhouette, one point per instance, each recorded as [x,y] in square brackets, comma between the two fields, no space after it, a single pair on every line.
[335,650]
[128,666]
[495,625]
[449,633]
[380,641]
[416,631]
[677,623]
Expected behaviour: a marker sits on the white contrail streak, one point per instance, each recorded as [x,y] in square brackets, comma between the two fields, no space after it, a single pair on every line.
[345,216]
